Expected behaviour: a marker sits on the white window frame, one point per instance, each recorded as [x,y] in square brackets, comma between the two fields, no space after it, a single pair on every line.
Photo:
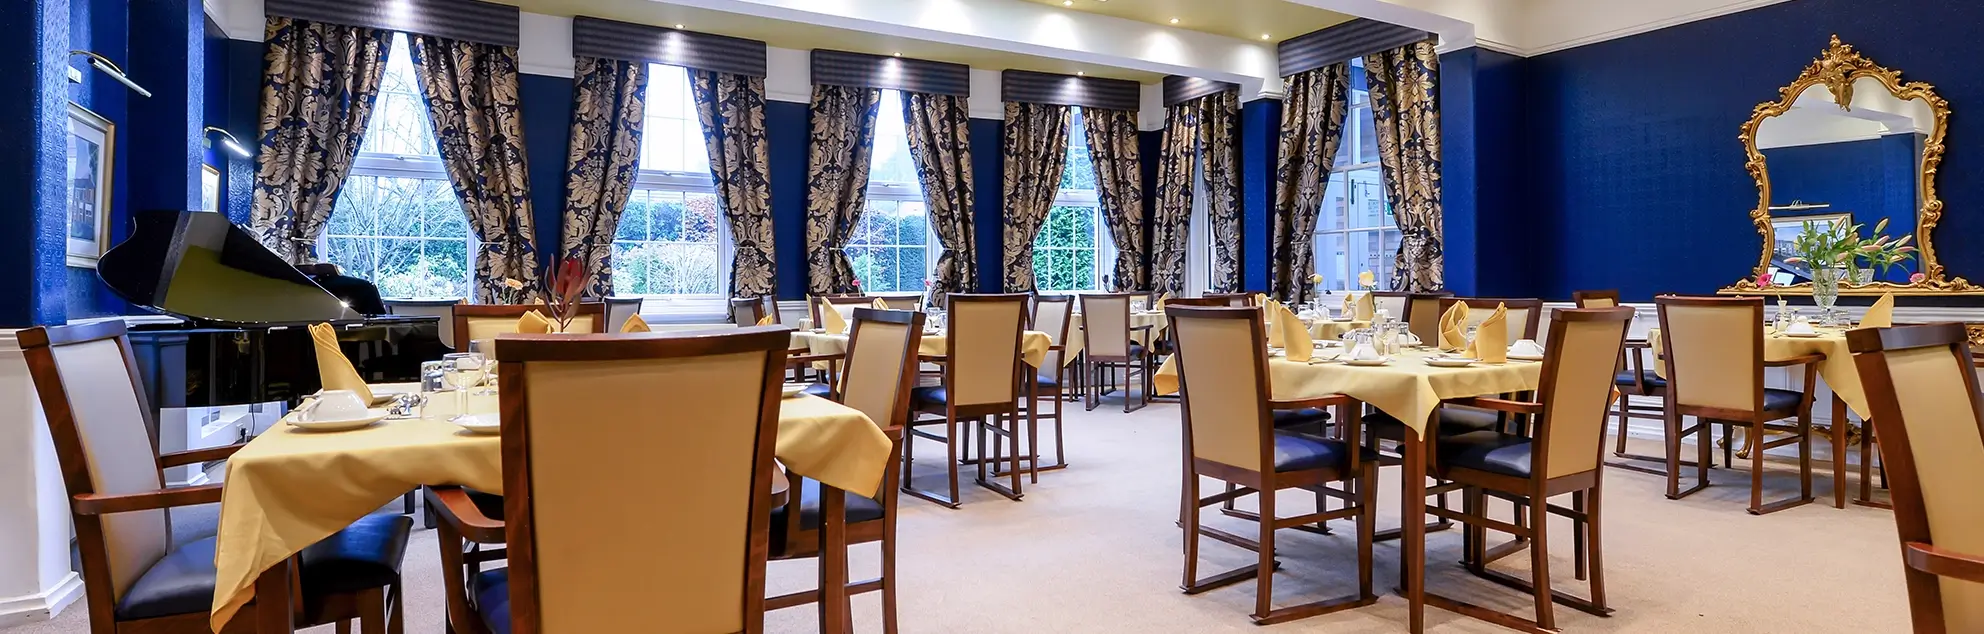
[687,307]
[1105,245]
[902,192]
[1352,131]
[1199,252]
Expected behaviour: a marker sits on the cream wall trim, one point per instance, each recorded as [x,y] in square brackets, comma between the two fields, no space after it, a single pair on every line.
[1555,25]
[35,579]
[545,46]
[1150,107]
[1455,21]
[985,102]
[788,75]
[41,606]
[238,19]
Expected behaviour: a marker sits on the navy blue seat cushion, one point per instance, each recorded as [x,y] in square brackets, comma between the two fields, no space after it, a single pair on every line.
[491,589]
[365,555]
[180,583]
[821,390]
[1652,381]
[1453,421]
[1489,451]
[929,396]
[1309,417]
[1044,380]
[1781,399]
[859,509]
[1299,452]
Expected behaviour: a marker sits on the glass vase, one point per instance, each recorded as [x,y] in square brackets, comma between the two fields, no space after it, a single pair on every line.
[1825,292]
[1862,276]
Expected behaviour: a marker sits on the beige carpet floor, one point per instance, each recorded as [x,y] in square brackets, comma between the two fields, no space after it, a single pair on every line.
[1093,549]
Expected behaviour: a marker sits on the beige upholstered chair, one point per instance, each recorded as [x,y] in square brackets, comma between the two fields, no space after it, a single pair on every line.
[1633,379]
[618,311]
[1922,386]
[1714,347]
[136,576]
[1560,457]
[1229,435]
[482,322]
[746,311]
[695,415]
[1422,314]
[980,389]
[1108,343]
[441,308]
[843,303]
[1524,314]
[1052,315]
[1228,299]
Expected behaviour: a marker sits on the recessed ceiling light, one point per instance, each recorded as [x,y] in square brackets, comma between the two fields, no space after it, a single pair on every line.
[1174,20]
[1080,73]
[1067,3]
[678,26]
[898,54]
[1264,36]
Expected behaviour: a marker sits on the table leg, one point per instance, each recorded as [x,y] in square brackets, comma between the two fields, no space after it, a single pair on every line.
[836,616]
[274,611]
[1412,549]
[1839,425]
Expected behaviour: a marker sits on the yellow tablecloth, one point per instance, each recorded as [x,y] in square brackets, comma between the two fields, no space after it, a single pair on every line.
[1330,329]
[1078,337]
[1838,369]
[1408,389]
[289,489]
[1033,345]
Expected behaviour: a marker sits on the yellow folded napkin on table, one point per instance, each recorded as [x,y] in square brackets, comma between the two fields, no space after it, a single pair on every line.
[1274,324]
[1294,336]
[836,324]
[635,324]
[1349,305]
[1161,300]
[880,305]
[1491,337]
[767,320]
[1453,328]
[333,368]
[533,323]
[1881,314]
[1367,306]
[1261,299]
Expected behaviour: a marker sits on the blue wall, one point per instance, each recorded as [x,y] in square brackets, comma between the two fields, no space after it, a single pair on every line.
[33,131]
[546,105]
[1260,133]
[787,126]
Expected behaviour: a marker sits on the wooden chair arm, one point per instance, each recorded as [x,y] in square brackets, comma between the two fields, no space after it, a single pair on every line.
[183,458]
[809,358]
[1638,344]
[1797,360]
[451,505]
[1497,404]
[105,503]
[1143,327]
[932,358]
[1943,563]
[1329,400]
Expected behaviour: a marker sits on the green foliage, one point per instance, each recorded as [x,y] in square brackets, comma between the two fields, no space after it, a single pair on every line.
[1064,254]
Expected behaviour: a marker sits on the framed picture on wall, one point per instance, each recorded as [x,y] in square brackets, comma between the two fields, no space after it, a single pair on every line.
[92,147]
[209,188]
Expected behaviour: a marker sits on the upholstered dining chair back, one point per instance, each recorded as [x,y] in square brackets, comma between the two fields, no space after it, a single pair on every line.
[746,311]
[1523,318]
[1231,299]
[1051,314]
[1422,315]
[1714,350]
[1576,390]
[984,347]
[480,322]
[618,311]
[843,303]
[1596,299]
[881,363]
[1222,374]
[1106,320]
[1926,412]
[101,426]
[1394,303]
[693,415]
[443,308]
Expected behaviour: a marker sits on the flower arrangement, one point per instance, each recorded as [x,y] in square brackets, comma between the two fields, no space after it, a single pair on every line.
[1883,252]
[1839,245]
[563,286]
[511,292]
[1367,280]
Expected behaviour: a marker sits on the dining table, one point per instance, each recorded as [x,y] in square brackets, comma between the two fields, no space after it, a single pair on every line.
[1411,390]
[290,488]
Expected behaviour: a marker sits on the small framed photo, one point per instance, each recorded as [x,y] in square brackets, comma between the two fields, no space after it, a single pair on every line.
[209,188]
[92,148]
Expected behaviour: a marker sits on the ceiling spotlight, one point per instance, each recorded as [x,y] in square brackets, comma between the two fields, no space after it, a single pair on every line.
[110,68]
[1080,73]
[1174,20]
[1067,3]
[1264,36]
[898,54]
[678,26]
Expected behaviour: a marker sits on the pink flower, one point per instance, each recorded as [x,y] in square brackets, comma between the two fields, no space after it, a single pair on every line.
[1917,278]
[1763,281]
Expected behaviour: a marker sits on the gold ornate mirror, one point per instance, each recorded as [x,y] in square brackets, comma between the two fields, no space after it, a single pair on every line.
[1848,143]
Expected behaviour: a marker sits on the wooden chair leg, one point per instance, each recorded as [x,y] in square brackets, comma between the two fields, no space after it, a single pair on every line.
[1839,428]
[1619,449]
[1579,531]
[1188,515]
[952,427]
[1033,432]
[889,575]
[1539,563]
[1594,523]
[1673,440]
[1264,582]
[1367,527]
[372,611]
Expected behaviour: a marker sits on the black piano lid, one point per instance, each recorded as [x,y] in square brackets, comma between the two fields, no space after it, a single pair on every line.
[199,266]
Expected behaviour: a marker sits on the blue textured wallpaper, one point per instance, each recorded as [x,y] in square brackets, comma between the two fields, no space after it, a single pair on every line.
[787,125]
[988,210]
[101,26]
[546,103]
[1260,125]
[33,131]
[1459,194]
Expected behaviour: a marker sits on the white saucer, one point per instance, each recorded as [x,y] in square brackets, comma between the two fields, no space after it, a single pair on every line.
[371,416]
[1450,362]
[790,390]
[1526,357]
[1803,335]
[1368,362]
[479,423]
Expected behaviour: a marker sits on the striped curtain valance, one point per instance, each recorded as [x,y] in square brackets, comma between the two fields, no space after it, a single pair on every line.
[1180,89]
[861,70]
[1344,42]
[1021,86]
[466,20]
[595,37]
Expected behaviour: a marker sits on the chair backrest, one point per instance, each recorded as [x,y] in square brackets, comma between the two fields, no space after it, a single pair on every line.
[695,415]
[618,311]
[442,308]
[1577,388]
[1393,303]
[1051,314]
[984,346]
[480,322]
[746,311]
[1714,350]
[1422,314]
[1926,412]
[1196,301]
[843,303]
[102,430]
[901,302]
[1222,378]
[1106,324]
[1230,299]
[1523,318]
[881,363]
[1596,299]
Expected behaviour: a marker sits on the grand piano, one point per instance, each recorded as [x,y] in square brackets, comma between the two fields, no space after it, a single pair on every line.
[239,333]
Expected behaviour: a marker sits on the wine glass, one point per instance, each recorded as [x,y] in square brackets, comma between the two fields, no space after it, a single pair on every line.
[462,371]
[480,348]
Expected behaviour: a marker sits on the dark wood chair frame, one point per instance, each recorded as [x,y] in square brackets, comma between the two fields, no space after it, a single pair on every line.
[87,508]
[1757,419]
[1359,494]
[1632,359]
[984,417]
[1055,394]
[1234,300]
[1101,368]
[760,307]
[1924,563]
[463,312]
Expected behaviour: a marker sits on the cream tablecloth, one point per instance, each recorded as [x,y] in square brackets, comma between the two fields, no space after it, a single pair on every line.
[289,489]
[1331,329]
[1033,345]
[1838,369]
[1078,337]
[1408,389]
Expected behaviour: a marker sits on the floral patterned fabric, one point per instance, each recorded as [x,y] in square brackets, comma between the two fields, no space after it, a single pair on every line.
[1112,144]
[1036,151]
[1405,108]
[318,87]
[1311,129]
[842,140]
[609,103]
[1170,230]
[940,143]
[732,109]
[471,91]
[1219,148]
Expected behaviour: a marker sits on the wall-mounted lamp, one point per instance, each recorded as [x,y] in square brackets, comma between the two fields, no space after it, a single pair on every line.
[228,141]
[110,68]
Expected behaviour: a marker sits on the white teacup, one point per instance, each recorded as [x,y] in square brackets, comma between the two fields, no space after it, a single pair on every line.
[338,405]
[1526,347]
[1801,327]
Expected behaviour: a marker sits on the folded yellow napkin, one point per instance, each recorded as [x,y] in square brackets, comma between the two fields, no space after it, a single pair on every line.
[1881,315]
[1349,304]
[1274,324]
[836,324]
[1261,299]
[1294,336]
[333,368]
[1161,300]
[767,320]
[1491,337]
[533,323]
[879,304]
[1367,306]
[1453,328]
[635,324]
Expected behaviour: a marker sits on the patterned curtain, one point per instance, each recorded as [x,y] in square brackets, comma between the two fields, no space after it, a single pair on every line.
[837,181]
[471,91]
[1219,143]
[608,106]
[1170,231]
[940,143]
[1036,154]
[732,108]
[1311,129]
[317,93]
[1404,92]
[1112,144]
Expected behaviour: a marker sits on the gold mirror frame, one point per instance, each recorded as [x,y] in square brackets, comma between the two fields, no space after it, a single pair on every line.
[1836,70]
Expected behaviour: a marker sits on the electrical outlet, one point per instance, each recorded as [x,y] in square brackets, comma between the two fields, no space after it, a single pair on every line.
[75,75]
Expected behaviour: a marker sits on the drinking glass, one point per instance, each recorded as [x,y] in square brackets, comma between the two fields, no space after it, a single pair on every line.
[463,370]
[480,348]
[432,377]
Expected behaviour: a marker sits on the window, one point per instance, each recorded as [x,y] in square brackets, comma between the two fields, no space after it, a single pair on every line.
[893,248]
[1356,231]
[396,221]
[1073,251]
[672,246]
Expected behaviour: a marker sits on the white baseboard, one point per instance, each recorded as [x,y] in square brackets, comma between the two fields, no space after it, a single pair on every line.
[35,608]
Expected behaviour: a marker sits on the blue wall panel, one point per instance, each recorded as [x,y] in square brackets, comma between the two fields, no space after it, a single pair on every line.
[787,125]
[988,167]
[1459,195]
[546,104]
[1260,125]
